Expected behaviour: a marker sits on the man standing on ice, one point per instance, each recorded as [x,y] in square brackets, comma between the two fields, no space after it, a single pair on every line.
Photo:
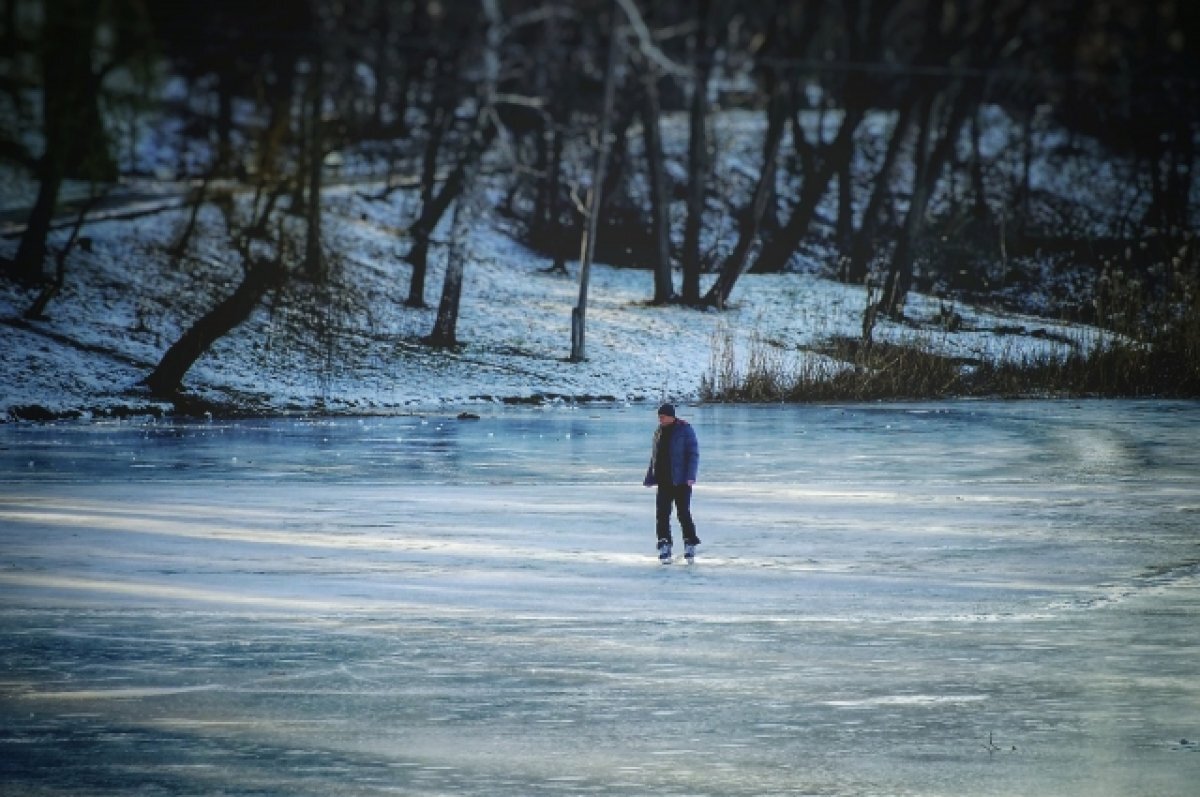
[674,460]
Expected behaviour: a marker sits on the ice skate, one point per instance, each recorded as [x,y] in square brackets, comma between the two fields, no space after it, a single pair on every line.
[664,551]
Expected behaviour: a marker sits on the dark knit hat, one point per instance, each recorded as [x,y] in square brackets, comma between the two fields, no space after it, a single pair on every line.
[667,409]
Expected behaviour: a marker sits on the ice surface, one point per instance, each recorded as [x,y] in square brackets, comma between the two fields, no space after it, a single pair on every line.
[957,598]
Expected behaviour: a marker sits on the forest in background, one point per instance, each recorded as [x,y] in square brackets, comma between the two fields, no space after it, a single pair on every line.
[563,118]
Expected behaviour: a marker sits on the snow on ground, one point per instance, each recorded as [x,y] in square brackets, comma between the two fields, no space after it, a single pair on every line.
[124,304]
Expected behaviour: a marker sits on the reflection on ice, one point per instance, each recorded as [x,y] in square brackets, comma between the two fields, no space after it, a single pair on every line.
[968,598]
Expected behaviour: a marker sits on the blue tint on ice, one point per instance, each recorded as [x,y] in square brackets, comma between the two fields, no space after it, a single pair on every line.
[984,598]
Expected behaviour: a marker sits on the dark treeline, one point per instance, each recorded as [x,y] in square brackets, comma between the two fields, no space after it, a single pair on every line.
[448,92]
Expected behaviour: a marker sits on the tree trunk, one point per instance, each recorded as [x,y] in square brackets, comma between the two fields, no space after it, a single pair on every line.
[981,47]
[72,142]
[900,274]
[698,165]
[37,311]
[435,208]
[299,201]
[660,217]
[845,216]
[735,265]
[595,194]
[899,277]
[775,254]
[803,158]
[180,247]
[414,63]
[462,182]
[440,114]
[260,277]
[27,265]
[445,326]
[864,240]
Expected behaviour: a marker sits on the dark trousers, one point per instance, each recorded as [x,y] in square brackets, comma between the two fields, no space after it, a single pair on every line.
[678,496]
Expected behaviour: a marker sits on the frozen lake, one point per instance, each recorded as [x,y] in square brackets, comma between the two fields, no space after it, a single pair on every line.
[976,598]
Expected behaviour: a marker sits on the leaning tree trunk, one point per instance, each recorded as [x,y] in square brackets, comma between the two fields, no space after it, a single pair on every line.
[900,273]
[775,253]
[27,264]
[735,265]
[863,245]
[456,183]
[260,277]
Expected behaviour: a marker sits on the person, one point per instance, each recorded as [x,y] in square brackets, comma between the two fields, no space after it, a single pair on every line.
[674,462]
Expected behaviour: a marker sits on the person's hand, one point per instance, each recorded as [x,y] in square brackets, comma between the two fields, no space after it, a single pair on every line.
[691,482]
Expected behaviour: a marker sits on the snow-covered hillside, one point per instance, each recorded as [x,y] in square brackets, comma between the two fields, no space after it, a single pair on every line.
[123,304]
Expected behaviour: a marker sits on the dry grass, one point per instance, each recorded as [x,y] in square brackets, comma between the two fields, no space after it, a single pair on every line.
[1167,366]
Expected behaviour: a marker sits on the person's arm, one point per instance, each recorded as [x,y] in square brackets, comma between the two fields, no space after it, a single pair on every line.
[691,454]
[650,481]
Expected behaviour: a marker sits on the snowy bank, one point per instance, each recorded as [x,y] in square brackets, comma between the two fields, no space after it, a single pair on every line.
[123,305]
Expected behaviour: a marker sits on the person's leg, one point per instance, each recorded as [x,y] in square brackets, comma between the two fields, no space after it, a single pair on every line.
[683,510]
[663,513]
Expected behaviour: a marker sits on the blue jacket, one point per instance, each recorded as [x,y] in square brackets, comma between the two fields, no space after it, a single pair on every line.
[685,454]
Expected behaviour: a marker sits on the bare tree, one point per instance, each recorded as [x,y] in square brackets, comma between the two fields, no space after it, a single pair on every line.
[980,38]
[735,264]
[260,274]
[863,26]
[37,310]
[440,117]
[863,243]
[75,141]
[444,333]
[461,188]
[654,64]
